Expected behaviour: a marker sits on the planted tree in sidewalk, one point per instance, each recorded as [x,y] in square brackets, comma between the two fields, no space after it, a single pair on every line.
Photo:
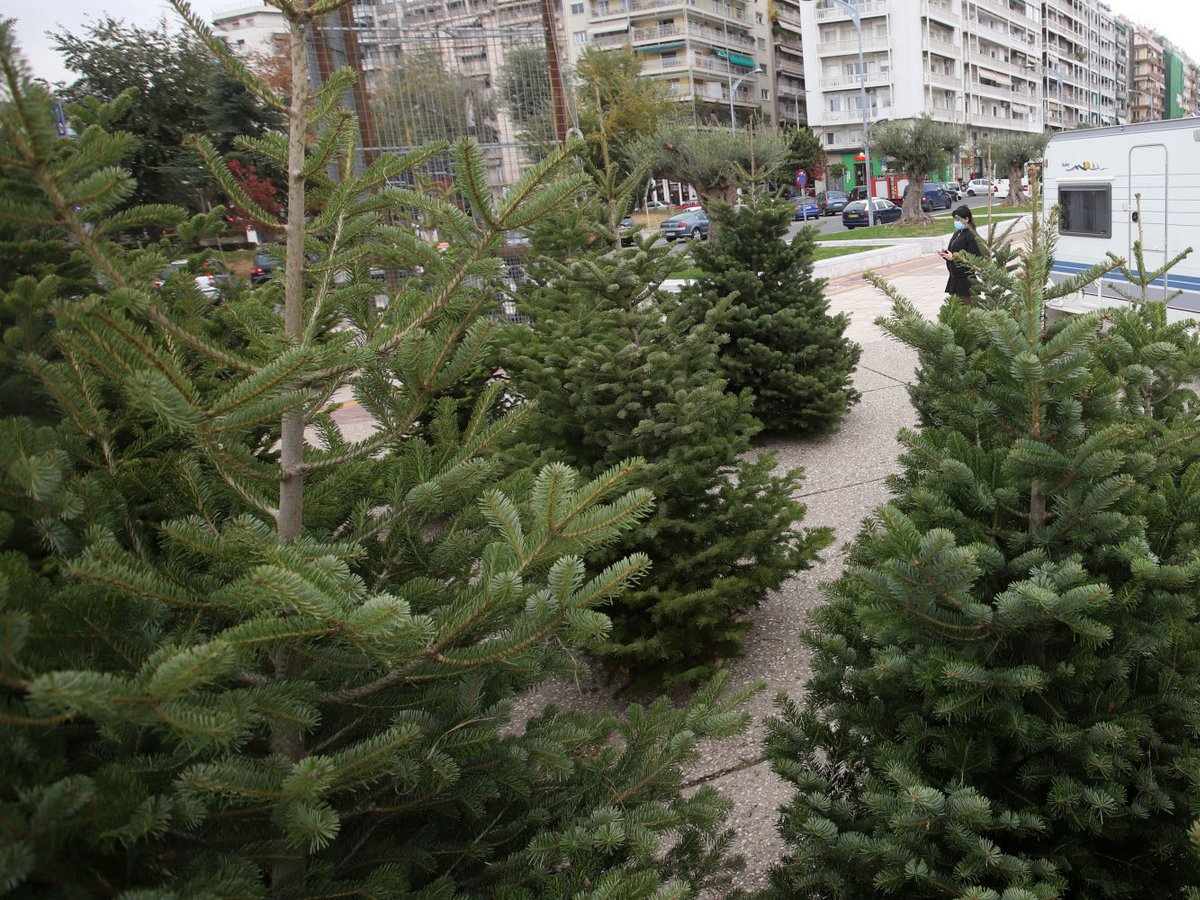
[1004,698]
[616,366]
[1010,155]
[243,655]
[916,147]
[782,343]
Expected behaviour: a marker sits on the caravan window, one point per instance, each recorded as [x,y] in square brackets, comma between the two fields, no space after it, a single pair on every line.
[1086,210]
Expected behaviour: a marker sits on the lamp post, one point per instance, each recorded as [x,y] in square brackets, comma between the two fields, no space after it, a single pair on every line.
[862,92]
[733,86]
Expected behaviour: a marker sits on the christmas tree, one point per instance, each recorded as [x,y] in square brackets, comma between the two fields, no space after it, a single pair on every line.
[783,344]
[618,367]
[1004,692]
[243,655]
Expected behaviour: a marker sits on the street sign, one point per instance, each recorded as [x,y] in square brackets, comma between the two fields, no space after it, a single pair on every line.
[801,179]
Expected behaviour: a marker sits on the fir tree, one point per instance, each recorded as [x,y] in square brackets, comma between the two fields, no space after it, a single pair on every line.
[783,345]
[618,367]
[1004,698]
[243,656]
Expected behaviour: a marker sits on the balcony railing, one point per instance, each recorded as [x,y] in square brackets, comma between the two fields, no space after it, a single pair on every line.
[873,43]
[942,80]
[853,115]
[835,10]
[720,37]
[944,48]
[619,39]
[852,81]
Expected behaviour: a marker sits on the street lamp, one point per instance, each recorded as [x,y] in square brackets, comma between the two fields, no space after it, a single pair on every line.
[862,91]
[733,86]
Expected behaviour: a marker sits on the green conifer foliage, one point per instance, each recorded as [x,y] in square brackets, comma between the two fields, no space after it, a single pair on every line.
[783,345]
[616,367]
[1004,694]
[205,692]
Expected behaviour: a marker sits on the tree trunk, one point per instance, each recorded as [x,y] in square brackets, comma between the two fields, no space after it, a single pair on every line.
[1016,194]
[911,213]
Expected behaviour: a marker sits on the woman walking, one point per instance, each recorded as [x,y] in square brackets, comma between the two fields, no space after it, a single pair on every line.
[962,241]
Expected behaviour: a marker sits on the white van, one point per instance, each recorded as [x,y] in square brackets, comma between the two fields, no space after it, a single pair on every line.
[1095,176]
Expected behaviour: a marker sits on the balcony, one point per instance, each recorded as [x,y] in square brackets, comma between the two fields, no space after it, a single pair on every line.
[835,11]
[873,43]
[828,117]
[848,82]
[613,39]
[948,49]
[658,64]
[721,38]
[943,12]
[940,79]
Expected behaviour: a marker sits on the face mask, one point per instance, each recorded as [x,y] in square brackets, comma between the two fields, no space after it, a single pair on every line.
[959,226]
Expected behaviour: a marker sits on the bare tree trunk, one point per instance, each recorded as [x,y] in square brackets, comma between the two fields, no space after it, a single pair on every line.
[288,739]
[911,212]
[1016,194]
[291,488]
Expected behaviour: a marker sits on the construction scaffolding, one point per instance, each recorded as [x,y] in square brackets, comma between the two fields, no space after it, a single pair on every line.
[440,71]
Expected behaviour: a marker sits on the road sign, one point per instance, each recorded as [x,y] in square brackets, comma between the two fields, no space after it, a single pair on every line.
[801,179]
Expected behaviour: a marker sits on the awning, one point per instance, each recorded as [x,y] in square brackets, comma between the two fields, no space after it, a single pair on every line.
[737,59]
[658,48]
[998,77]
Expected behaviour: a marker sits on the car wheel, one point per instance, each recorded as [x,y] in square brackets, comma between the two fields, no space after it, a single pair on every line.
[970,193]
[695,233]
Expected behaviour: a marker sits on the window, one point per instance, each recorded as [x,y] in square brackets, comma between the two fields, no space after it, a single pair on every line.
[766,94]
[830,137]
[669,59]
[576,9]
[580,37]
[1086,210]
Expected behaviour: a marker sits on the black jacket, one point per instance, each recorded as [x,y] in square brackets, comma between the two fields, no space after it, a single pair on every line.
[960,275]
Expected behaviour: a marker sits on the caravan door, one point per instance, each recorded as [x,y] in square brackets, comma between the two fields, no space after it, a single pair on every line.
[1148,177]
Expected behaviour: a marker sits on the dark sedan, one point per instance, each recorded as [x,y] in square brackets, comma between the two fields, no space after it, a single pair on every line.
[628,229]
[686,225]
[831,203]
[855,214]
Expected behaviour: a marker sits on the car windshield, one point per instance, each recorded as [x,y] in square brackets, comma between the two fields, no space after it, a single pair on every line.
[835,195]
[856,206]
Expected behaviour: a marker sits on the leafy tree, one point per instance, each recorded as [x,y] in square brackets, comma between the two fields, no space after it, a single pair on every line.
[167,73]
[916,147]
[804,151]
[233,111]
[525,87]
[617,106]
[262,193]
[617,367]
[783,345]
[1003,700]
[716,162]
[1010,154]
[240,662]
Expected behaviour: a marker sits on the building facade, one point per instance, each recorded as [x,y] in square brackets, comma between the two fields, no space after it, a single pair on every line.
[251,28]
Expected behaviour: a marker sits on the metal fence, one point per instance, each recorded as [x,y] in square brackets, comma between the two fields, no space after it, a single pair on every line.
[434,80]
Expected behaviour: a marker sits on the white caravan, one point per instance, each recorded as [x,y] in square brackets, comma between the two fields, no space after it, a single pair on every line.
[1094,175]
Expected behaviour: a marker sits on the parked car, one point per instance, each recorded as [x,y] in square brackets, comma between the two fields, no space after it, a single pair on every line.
[858,193]
[978,187]
[933,196]
[628,230]
[264,266]
[686,225]
[210,276]
[806,208]
[855,214]
[658,204]
[831,203]
[953,189]
[1000,188]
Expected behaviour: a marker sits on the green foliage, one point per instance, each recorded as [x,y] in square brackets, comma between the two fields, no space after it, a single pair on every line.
[195,703]
[1004,691]
[525,87]
[618,367]
[1010,154]
[617,106]
[166,74]
[916,147]
[804,151]
[421,101]
[715,161]
[782,343]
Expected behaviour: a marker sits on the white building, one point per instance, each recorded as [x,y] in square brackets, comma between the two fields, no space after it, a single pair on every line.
[1083,82]
[250,28]
[976,63]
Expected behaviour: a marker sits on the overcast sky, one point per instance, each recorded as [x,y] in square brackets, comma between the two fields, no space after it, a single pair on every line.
[1178,20]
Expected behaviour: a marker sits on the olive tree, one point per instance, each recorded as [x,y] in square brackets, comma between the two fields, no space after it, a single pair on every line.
[916,147]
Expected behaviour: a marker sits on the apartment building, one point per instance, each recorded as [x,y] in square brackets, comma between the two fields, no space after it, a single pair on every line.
[972,62]
[1080,46]
[251,28]
[1148,87]
[701,49]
